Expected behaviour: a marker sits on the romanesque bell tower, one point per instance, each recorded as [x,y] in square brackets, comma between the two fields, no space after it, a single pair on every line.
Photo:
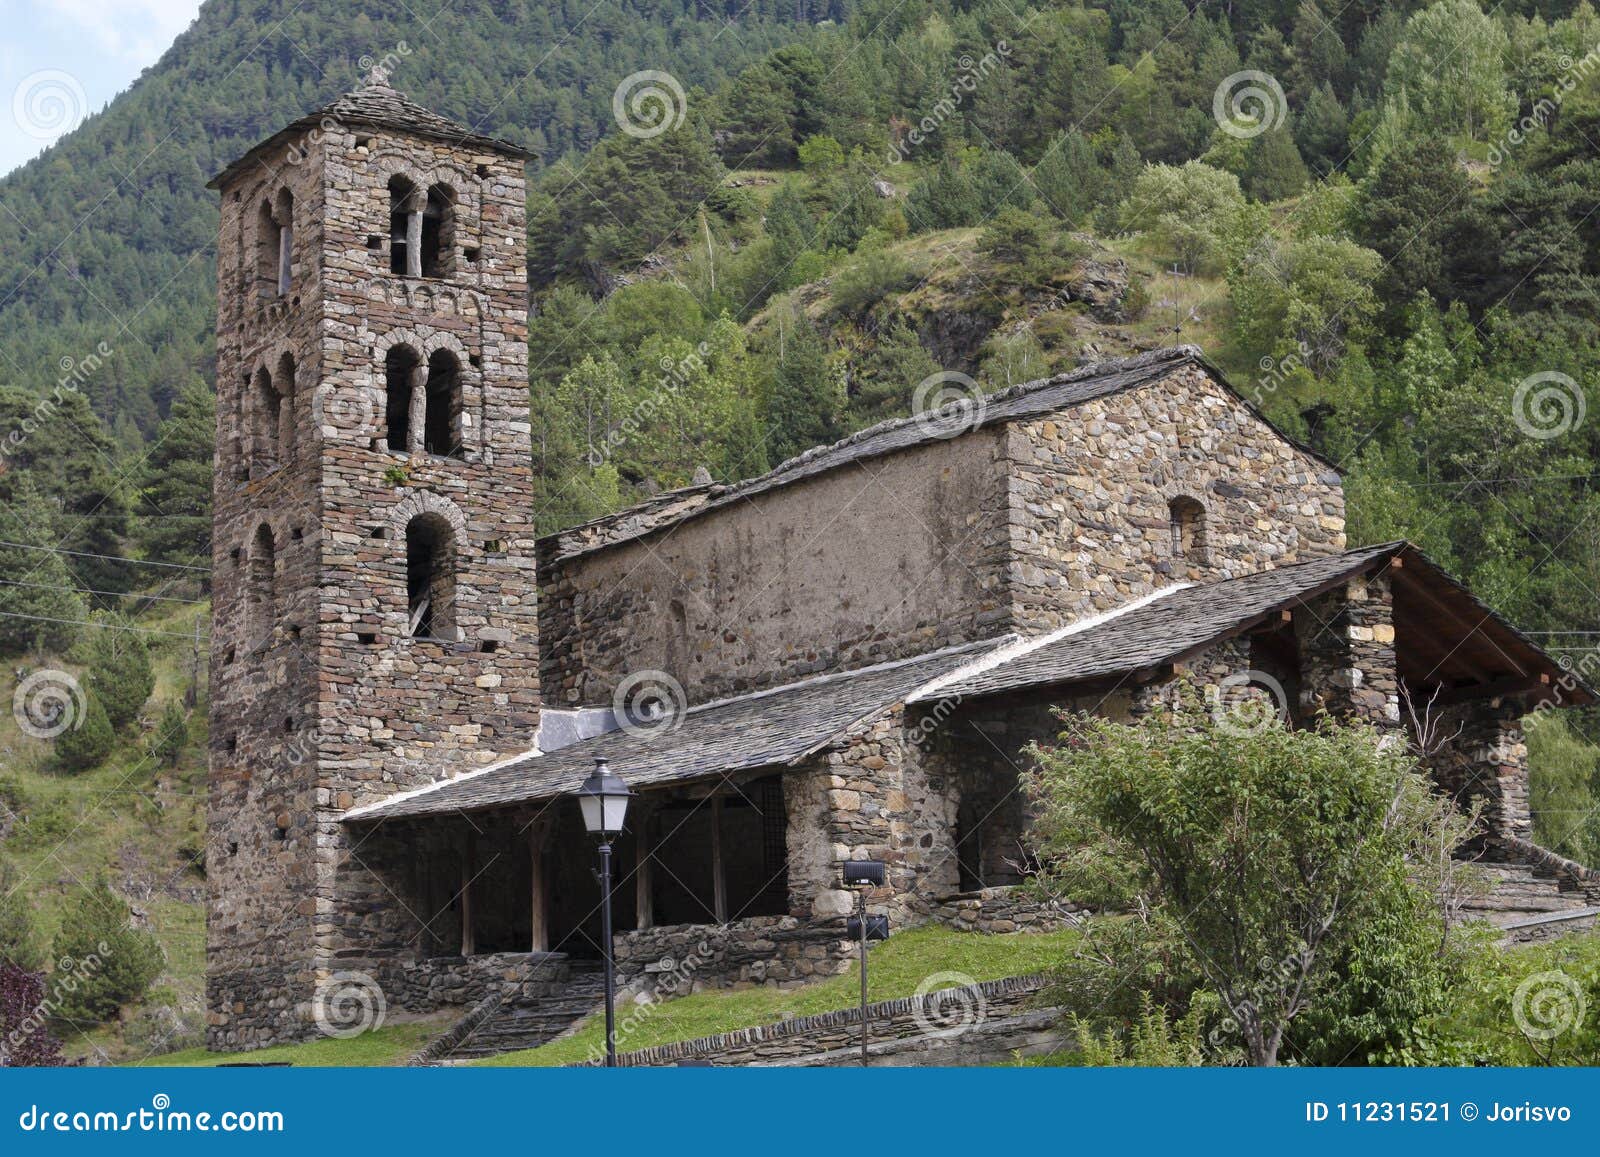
[374,624]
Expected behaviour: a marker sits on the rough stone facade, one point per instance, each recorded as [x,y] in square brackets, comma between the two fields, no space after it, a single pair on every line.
[321,694]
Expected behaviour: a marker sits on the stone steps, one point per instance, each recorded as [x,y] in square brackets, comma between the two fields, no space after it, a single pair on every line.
[525,1026]
[1523,892]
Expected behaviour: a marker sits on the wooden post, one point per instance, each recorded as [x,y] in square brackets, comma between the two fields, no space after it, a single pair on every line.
[644,890]
[719,883]
[469,869]
[538,834]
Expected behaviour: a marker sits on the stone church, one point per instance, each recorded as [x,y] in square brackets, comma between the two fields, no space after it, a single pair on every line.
[842,658]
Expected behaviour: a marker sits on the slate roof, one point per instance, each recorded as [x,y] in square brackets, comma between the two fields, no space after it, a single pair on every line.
[1020,402]
[764,729]
[1184,619]
[376,105]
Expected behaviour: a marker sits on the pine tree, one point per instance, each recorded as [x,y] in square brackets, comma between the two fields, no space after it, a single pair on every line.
[1273,169]
[85,745]
[1067,178]
[175,502]
[115,961]
[805,398]
[38,602]
[120,675]
[889,374]
[172,735]
[19,944]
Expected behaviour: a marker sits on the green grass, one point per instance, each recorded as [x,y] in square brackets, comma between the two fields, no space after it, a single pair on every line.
[390,1045]
[897,967]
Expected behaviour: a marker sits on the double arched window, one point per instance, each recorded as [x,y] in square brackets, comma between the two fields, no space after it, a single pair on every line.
[423,402]
[275,245]
[271,416]
[422,229]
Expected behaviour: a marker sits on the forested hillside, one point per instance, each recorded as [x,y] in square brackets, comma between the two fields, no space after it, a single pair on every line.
[1379,218]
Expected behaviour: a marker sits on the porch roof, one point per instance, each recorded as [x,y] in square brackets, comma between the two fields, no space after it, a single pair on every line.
[763,729]
[1446,639]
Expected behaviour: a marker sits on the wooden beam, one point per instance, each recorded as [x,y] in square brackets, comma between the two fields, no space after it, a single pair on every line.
[644,873]
[1420,591]
[538,836]
[1494,689]
[469,869]
[719,883]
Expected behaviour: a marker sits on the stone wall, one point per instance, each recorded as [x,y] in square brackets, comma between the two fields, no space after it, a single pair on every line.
[1484,759]
[320,699]
[1347,657]
[950,1013]
[427,985]
[892,557]
[675,960]
[997,911]
[1089,506]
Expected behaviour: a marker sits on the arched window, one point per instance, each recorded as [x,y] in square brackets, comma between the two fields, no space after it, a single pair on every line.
[269,247]
[283,387]
[1188,523]
[430,578]
[442,424]
[275,245]
[283,210]
[261,601]
[405,228]
[439,232]
[266,421]
[400,372]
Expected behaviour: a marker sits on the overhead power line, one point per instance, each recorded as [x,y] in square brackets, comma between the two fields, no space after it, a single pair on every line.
[101,626]
[106,557]
[93,591]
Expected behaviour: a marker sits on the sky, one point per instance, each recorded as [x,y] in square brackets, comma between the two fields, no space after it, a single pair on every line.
[63,59]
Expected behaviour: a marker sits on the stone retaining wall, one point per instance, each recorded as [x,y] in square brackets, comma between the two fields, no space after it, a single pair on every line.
[1002,910]
[426,985]
[946,1013]
[674,960]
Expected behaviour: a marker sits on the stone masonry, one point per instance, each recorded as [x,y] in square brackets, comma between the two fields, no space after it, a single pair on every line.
[322,696]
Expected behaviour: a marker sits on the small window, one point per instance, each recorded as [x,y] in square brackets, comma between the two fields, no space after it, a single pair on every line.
[275,245]
[400,372]
[439,232]
[404,237]
[430,578]
[442,422]
[1188,525]
[266,422]
[261,588]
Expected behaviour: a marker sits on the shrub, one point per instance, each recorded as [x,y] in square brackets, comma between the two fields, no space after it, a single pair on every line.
[172,735]
[114,961]
[19,944]
[120,675]
[86,744]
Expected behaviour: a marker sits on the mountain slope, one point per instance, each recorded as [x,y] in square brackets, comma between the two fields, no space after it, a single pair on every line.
[108,236]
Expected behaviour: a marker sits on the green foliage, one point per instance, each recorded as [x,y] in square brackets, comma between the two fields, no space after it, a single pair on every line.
[120,676]
[1153,1040]
[115,962]
[1564,793]
[1448,63]
[1288,874]
[1187,211]
[85,745]
[174,508]
[171,735]
[19,940]
[38,602]
[806,399]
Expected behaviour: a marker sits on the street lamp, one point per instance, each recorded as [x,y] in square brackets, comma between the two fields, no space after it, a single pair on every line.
[603,799]
[861,875]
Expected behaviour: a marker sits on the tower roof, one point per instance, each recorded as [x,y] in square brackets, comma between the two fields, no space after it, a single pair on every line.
[377,105]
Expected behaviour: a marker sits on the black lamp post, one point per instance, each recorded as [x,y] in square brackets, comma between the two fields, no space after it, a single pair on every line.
[603,799]
[861,875]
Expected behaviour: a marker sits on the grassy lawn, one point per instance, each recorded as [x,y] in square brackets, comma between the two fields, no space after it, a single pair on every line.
[898,966]
[389,1045]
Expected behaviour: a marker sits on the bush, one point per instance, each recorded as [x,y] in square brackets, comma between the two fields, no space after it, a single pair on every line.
[172,735]
[120,674]
[19,944]
[114,962]
[86,744]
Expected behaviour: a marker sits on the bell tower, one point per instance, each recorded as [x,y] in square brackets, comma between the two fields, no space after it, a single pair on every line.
[373,625]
